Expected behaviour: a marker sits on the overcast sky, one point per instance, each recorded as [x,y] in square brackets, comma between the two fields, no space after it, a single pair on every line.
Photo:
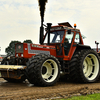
[20,19]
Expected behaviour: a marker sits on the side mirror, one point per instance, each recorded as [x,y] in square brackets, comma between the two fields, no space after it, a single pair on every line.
[69,31]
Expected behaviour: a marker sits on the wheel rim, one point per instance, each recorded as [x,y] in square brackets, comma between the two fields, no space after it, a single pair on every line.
[49,70]
[91,67]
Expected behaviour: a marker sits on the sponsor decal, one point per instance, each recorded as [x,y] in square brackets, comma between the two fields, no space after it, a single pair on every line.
[30,51]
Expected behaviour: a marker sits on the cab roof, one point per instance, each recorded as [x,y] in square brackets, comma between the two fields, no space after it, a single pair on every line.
[65,24]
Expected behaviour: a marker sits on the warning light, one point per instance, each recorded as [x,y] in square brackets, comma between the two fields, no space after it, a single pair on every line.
[74,25]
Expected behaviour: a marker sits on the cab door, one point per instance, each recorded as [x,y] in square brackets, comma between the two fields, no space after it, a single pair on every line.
[67,42]
[74,39]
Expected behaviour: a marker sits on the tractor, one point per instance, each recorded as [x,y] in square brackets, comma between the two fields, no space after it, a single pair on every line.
[61,49]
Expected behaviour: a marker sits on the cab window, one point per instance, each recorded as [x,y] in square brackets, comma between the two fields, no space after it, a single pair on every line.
[55,37]
[69,37]
[77,38]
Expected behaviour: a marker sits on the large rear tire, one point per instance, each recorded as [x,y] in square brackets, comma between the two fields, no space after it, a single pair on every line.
[43,70]
[85,66]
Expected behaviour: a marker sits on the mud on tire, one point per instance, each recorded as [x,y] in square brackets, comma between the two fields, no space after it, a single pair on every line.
[84,66]
[43,70]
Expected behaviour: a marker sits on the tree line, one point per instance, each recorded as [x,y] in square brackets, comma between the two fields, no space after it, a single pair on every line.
[10,50]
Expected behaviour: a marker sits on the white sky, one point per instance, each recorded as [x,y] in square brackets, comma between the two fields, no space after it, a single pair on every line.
[20,19]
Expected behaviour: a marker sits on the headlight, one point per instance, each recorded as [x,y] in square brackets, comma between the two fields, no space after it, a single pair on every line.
[21,55]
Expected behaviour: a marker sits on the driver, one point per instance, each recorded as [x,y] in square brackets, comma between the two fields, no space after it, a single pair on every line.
[66,42]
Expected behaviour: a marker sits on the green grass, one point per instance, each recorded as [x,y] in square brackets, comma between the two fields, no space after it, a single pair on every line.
[87,97]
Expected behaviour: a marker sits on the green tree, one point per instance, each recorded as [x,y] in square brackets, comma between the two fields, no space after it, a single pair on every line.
[10,50]
[27,41]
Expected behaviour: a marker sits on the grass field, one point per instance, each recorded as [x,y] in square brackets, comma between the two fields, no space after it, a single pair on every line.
[87,97]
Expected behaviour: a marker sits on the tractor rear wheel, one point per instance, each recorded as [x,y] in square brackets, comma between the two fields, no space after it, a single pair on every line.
[43,70]
[85,66]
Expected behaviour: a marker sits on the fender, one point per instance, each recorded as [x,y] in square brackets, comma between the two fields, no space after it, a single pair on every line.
[81,46]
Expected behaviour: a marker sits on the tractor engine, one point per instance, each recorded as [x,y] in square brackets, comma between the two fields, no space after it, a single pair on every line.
[26,50]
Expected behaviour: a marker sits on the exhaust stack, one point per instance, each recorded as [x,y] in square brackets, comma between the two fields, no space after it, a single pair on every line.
[48,29]
[42,4]
[41,33]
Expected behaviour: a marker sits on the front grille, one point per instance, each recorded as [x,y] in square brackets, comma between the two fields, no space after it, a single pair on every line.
[19,48]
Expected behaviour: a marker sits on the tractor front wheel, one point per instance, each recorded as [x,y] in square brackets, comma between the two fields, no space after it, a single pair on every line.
[43,70]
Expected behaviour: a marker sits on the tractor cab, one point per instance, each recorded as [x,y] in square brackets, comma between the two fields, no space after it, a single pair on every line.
[64,38]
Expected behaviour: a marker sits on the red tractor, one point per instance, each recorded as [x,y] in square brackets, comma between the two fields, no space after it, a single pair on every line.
[60,49]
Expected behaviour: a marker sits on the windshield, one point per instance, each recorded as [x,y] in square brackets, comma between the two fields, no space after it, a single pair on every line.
[55,37]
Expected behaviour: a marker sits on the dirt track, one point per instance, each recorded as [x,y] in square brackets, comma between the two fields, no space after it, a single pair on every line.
[26,91]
